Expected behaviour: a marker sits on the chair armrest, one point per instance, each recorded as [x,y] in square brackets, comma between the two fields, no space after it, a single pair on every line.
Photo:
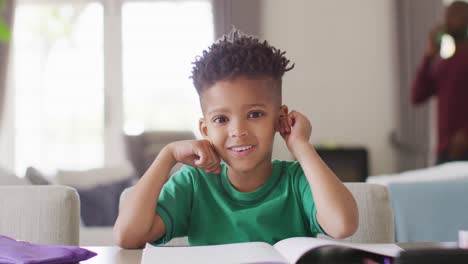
[40,214]
[376,223]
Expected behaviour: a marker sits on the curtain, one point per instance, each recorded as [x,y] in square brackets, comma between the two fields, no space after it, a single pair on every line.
[244,15]
[221,17]
[6,15]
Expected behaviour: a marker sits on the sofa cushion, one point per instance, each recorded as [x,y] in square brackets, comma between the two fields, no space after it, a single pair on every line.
[142,149]
[100,204]
[85,179]
[35,177]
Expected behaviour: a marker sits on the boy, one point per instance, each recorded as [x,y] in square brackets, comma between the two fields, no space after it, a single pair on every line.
[248,197]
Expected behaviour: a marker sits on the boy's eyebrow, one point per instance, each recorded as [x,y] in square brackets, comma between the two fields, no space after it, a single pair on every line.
[254,105]
[218,110]
[224,110]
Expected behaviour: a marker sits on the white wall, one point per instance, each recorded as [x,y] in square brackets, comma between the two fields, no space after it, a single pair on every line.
[345,79]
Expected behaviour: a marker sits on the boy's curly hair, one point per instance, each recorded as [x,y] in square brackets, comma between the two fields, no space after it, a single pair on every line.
[237,54]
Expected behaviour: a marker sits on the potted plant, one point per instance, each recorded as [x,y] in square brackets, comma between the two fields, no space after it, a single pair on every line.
[4,31]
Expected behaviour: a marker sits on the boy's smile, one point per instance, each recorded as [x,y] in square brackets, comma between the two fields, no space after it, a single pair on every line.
[242,151]
[240,119]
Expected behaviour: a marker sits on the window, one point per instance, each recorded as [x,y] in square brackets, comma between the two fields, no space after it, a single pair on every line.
[58,86]
[70,108]
[158,48]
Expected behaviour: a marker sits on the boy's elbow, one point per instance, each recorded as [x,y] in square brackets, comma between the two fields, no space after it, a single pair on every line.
[346,227]
[124,239]
[120,239]
[351,222]
[346,230]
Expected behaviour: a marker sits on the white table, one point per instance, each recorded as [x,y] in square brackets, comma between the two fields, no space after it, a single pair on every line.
[116,255]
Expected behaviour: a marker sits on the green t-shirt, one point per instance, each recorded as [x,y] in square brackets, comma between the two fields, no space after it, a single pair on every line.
[209,210]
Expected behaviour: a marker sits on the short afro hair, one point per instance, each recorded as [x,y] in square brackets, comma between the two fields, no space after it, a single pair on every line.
[237,54]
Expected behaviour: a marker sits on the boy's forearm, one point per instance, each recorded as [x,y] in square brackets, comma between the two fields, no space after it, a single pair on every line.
[138,210]
[336,207]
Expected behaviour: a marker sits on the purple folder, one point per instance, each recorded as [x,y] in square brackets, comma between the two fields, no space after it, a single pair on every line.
[12,251]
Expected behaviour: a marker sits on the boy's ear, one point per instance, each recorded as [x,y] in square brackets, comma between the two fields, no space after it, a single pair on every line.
[283,110]
[203,128]
[282,113]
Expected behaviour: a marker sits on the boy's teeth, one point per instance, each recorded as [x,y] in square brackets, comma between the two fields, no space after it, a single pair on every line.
[241,148]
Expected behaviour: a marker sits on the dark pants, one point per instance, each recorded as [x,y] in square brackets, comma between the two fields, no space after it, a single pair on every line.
[443,157]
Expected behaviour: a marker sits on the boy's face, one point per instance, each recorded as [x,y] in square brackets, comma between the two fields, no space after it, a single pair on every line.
[240,120]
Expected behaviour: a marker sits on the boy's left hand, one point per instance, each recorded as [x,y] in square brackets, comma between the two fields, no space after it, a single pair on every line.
[295,129]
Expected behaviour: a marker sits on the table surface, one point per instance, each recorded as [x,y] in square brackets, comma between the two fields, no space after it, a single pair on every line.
[117,255]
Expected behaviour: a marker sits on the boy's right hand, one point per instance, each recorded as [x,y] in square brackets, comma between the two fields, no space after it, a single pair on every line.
[196,153]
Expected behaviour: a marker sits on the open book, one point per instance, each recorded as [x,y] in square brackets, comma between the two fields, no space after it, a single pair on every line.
[286,251]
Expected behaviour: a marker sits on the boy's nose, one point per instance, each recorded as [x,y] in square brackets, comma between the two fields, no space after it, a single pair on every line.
[238,133]
[238,130]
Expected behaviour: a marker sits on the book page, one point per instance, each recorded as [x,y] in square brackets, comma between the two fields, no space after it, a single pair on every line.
[251,252]
[294,248]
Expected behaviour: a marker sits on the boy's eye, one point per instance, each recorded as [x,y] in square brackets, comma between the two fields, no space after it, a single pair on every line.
[220,119]
[255,114]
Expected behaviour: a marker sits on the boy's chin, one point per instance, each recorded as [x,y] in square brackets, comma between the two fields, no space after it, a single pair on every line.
[243,166]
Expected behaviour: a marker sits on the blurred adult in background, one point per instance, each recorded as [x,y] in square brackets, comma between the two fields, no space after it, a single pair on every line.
[444,73]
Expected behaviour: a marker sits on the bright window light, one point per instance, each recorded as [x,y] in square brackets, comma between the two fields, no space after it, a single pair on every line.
[58,86]
[59,47]
[160,40]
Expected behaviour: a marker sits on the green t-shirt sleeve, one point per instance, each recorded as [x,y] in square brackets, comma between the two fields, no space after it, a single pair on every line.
[175,203]
[306,196]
